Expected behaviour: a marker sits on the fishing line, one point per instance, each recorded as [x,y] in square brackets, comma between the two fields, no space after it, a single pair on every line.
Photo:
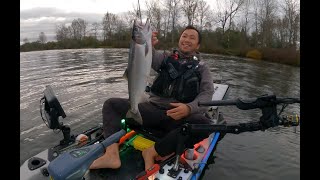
[282,109]
[139,11]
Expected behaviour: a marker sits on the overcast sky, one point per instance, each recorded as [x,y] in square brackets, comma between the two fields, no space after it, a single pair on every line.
[43,15]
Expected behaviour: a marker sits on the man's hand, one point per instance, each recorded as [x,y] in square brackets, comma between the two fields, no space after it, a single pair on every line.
[180,111]
[154,38]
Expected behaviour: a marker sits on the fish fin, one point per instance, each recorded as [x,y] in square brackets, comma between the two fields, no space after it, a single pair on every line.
[144,97]
[125,74]
[149,80]
[136,116]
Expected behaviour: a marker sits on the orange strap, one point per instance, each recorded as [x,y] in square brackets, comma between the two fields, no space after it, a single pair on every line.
[145,174]
[126,136]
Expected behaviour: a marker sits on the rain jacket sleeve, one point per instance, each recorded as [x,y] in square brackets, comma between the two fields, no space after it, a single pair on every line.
[157,59]
[206,90]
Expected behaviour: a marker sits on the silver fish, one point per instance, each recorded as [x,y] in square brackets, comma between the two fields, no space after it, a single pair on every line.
[139,66]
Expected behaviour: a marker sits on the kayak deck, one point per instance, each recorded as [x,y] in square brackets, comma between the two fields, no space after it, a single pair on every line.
[131,164]
[131,158]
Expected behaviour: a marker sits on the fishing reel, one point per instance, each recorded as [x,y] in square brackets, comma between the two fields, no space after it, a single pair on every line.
[290,120]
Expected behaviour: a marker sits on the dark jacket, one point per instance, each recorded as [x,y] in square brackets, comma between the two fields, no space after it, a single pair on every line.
[206,84]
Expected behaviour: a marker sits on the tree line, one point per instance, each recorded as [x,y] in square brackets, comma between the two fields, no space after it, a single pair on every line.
[259,29]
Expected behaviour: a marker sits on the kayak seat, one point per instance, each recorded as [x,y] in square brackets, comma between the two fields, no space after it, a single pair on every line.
[150,133]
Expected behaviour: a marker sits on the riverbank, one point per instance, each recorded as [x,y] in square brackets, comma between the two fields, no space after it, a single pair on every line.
[289,56]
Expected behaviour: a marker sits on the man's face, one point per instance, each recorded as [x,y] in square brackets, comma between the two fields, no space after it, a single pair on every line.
[188,41]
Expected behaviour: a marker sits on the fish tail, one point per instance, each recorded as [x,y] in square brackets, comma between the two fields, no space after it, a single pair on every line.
[136,116]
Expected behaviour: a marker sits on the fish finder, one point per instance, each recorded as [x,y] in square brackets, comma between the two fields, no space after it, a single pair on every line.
[53,110]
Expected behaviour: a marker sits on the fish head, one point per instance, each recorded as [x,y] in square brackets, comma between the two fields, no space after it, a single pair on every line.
[140,32]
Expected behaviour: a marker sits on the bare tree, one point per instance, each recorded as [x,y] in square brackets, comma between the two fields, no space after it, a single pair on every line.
[281,33]
[84,26]
[25,40]
[158,19]
[170,16]
[167,12]
[244,21]
[296,32]
[62,32]
[227,11]
[189,8]
[154,14]
[128,18]
[291,10]
[120,28]
[79,28]
[267,14]
[95,28]
[203,11]
[174,17]
[42,38]
[75,29]
[255,34]
[108,25]
[222,17]
[211,19]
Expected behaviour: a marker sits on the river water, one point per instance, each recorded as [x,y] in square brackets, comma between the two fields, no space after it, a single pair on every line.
[83,79]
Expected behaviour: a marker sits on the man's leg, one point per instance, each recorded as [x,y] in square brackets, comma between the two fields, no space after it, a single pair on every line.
[110,159]
[168,144]
[114,109]
[156,118]
[149,155]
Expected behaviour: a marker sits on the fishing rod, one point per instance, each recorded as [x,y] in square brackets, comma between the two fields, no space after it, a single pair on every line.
[139,11]
[251,103]
[267,103]
[270,118]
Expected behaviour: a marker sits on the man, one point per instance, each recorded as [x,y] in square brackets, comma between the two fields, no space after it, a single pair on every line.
[183,80]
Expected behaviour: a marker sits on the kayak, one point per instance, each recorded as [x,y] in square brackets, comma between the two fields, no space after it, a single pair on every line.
[61,161]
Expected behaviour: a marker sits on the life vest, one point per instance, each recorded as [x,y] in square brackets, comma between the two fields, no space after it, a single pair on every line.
[178,80]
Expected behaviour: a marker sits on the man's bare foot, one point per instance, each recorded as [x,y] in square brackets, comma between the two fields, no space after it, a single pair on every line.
[110,159]
[148,155]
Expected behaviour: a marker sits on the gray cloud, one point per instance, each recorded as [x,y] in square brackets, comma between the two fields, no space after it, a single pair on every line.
[34,21]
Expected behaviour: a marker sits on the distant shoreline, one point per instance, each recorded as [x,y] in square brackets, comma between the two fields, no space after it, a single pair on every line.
[269,53]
